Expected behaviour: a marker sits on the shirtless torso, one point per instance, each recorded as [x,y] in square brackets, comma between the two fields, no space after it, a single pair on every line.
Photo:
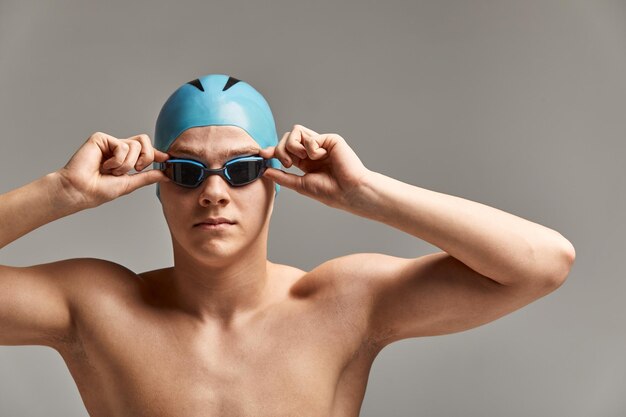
[305,353]
[307,348]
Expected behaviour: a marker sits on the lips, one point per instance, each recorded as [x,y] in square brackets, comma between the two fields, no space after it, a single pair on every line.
[215,220]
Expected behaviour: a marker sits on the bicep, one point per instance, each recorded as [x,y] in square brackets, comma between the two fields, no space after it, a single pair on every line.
[433,295]
[35,301]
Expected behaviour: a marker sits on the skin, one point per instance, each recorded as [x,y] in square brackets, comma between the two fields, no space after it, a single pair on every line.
[226,332]
[218,275]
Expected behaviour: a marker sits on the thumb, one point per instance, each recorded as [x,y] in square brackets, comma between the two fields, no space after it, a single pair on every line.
[142,179]
[283,178]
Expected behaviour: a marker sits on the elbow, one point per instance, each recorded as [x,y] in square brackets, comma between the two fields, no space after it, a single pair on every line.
[570,252]
[549,264]
[566,255]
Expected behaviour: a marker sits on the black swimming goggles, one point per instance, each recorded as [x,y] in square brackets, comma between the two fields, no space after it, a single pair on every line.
[239,171]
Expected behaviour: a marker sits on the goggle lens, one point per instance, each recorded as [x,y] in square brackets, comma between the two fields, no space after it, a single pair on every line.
[243,172]
[183,173]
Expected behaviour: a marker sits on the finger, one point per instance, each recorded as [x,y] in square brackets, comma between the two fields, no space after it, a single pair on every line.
[119,150]
[313,148]
[151,154]
[160,156]
[283,178]
[102,137]
[281,153]
[294,141]
[146,155]
[142,179]
[307,130]
[295,147]
[268,152]
[134,148]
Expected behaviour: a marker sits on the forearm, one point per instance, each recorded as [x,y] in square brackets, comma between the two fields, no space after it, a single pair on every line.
[497,244]
[39,202]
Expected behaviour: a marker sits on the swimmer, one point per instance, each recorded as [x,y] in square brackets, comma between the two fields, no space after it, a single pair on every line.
[225,331]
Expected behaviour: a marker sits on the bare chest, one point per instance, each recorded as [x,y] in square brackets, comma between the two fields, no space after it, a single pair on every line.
[298,358]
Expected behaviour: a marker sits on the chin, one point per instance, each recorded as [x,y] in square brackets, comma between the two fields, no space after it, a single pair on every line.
[212,249]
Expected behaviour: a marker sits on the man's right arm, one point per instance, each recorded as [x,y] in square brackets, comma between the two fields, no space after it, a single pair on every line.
[34,307]
[40,202]
[35,301]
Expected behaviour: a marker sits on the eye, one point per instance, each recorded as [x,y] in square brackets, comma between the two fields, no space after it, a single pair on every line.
[184,172]
[245,170]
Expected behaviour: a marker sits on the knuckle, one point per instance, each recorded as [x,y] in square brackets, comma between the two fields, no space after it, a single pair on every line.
[337,137]
[147,152]
[147,144]
[124,166]
[95,137]
[144,141]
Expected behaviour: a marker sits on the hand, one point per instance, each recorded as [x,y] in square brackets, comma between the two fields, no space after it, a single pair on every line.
[93,182]
[332,170]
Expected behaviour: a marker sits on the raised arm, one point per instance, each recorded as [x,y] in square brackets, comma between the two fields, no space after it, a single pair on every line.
[499,245]
[35,300]
[33,304]
[491,262]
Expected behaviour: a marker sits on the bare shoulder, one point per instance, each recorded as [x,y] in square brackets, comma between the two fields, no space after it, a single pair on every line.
[342,274]
[320,281]
[77,274]
[334,281]
[100,273]
[92,281]
[38,303]
[338,283]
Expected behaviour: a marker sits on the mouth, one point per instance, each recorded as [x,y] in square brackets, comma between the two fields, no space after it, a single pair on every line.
[217,223]
[215,220]
[216,226]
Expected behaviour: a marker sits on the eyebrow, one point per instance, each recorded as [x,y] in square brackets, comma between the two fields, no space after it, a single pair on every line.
[226,153]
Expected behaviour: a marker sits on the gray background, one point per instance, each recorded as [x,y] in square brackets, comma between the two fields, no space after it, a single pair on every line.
[515,104]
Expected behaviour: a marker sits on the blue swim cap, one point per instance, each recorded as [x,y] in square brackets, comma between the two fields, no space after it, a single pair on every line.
[216,99]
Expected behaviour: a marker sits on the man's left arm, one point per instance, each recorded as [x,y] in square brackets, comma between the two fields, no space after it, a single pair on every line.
[492,262]
[499,245]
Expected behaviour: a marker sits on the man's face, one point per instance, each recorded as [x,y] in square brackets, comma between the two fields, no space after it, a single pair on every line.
[249,206]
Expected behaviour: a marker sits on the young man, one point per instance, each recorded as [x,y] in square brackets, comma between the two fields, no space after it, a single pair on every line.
[225,332]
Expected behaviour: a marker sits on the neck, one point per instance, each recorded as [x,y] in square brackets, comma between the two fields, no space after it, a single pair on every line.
[220,289]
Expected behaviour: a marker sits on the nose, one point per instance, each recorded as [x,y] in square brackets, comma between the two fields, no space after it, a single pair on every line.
[214,190]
